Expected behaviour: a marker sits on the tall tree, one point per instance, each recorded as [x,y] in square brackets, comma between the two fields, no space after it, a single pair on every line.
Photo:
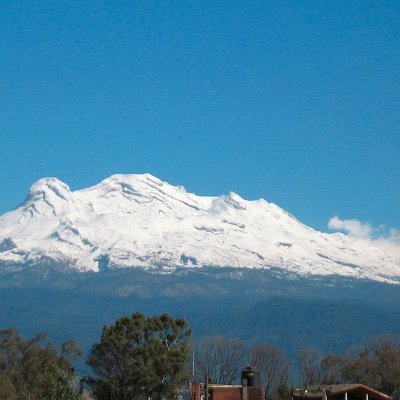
[331,369]
[219,358]
[27,366]
[310,366]
[140,358]
[272,366]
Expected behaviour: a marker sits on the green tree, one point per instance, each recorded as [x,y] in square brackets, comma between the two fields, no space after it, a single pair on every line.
[26,366]
[60,385]
[140,357]
[7,389]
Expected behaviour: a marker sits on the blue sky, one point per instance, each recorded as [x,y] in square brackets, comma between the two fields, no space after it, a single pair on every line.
[293,101]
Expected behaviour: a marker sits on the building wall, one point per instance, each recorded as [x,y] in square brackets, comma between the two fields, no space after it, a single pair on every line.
[238,393]
[226,394]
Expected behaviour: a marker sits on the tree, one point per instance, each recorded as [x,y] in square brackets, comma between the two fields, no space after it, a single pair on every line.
[140,358]
[272,367]
[283,392]
[7,389]
[220,358]
[331,369]
[310,366]
[27,366]
[60,386]
[376,364]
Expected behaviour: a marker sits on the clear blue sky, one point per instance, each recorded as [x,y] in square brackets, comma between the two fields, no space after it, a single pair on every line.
[297,102]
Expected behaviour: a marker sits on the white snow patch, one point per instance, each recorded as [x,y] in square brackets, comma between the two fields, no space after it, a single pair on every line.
[129,221]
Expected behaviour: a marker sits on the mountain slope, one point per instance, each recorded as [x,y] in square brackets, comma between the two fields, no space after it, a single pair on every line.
[330,313]
[140,221]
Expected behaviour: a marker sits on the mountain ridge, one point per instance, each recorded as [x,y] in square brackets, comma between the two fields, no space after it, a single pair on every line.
[129,221]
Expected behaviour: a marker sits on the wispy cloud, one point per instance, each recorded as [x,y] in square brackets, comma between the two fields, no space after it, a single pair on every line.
[353,227]
[387,239]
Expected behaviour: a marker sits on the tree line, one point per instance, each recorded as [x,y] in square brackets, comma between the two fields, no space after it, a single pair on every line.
[375,363]
[141,357]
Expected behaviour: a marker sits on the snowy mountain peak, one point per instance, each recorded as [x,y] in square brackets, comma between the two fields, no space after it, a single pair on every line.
[232,200]
[49,186]
[129,221]
[48,196]
[131,179]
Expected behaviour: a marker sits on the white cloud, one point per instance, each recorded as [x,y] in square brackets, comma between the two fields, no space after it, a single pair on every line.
[353,227]
[387,239]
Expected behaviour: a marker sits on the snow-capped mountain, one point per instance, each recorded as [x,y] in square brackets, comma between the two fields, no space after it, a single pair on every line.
[129,221]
